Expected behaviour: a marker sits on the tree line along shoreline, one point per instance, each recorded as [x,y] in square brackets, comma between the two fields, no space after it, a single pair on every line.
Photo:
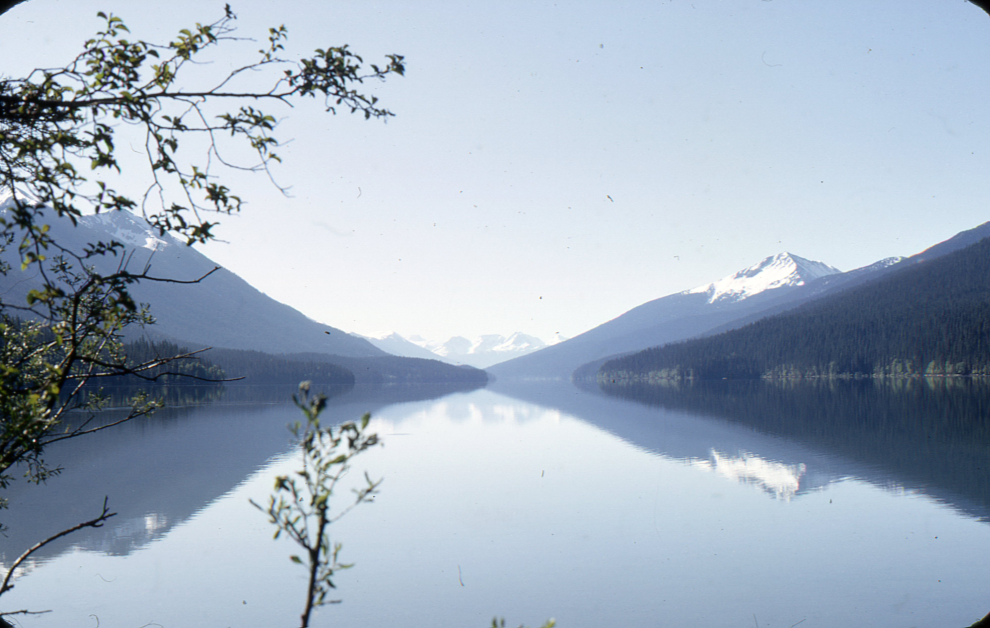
[926,320]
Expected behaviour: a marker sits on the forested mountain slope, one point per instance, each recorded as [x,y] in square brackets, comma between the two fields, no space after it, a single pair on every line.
[931,317]
[834,284]
[772,281]
[388,369]
[817,289]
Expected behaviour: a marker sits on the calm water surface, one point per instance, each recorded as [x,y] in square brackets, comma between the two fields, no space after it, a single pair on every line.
[641,509]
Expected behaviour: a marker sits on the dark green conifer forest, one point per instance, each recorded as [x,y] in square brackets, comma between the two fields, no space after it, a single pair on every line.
[931,318]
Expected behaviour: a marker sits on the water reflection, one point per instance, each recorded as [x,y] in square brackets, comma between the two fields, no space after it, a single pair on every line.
[160,470]
[776,478]
[546,502]
[929,435]
[781,467]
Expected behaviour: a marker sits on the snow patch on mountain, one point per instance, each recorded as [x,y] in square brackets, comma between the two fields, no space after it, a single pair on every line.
[884,263]
[457,345]
[480,351]
[130,230]
[122,226]
[781,270]
[7,198]
[516,344]
[519,342]
[416,339]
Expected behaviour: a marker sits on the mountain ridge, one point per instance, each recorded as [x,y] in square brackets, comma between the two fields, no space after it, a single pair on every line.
[479,352]
[672,317]
[925,318]
[675,318]
[220,310]
[782,269]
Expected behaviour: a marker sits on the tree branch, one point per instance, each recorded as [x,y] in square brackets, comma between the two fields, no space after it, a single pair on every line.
[94,523]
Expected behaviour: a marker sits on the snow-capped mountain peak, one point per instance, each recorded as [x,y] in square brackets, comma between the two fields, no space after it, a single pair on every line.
[7,198]
[123,226]
[781,270]
[457,345]
[519,343]
[480,351]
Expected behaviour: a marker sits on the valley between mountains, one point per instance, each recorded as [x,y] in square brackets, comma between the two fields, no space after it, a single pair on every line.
[924,314]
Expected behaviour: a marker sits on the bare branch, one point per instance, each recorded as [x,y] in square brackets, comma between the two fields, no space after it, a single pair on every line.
[93,523]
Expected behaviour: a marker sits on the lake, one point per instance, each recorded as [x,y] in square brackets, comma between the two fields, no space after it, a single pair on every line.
[848,504]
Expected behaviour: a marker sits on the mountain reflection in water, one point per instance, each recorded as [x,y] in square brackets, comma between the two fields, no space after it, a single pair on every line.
[527,501]
[158,471]
[927,435]
[776,478]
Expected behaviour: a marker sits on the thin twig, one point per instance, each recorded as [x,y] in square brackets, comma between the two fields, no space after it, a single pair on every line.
[93,523]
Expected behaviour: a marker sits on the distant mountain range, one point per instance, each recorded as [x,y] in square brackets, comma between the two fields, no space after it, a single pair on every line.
[480,352]
[224,311]
[774,285]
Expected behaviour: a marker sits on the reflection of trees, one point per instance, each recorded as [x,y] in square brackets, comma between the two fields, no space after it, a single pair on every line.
[161,471]
[930,432]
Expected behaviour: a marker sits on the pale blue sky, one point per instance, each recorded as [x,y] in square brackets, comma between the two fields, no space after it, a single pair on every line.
[724,132]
